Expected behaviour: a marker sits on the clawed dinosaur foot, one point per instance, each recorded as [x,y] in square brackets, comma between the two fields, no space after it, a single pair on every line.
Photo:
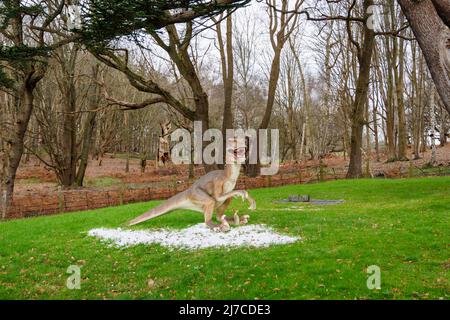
[252,203]
[224,226]
[240,220]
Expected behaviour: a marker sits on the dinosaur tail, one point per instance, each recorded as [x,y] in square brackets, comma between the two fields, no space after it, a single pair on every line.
[167,206]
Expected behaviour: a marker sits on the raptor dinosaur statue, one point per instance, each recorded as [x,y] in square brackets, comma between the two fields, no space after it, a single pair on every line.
[212,192]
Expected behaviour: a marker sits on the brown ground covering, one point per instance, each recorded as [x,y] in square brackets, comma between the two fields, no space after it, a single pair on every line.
[37,191]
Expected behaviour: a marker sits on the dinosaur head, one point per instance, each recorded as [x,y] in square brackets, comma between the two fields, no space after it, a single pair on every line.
[235,150]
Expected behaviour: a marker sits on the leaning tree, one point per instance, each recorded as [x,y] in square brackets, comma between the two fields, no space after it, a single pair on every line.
[27,35]
[24,54]
[430,23]
[137,21]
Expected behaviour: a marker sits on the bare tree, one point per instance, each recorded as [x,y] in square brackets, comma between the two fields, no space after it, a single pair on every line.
[281,24]
[26,32]
[430,22]
[364,53]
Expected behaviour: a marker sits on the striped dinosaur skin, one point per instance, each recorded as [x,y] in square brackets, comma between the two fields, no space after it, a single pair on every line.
[211,193]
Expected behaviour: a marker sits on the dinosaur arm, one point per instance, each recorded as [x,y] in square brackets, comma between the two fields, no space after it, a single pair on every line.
[238,193]
[217,195]
[214,184]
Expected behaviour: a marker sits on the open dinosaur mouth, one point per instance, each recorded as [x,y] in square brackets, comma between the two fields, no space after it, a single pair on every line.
[238,152]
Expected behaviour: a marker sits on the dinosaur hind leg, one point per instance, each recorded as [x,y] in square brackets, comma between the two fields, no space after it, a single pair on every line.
[220,211]
[208,212]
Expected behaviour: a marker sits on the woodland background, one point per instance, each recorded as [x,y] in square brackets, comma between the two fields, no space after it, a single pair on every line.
[340,81]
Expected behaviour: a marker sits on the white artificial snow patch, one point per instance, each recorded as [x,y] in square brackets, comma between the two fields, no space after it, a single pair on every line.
[198,236]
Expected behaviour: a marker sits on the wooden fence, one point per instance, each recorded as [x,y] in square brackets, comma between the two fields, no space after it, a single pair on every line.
[29,204]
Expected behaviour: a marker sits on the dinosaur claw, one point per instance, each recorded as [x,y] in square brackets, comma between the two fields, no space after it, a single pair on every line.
[252,203]
[236,218]
[244,219]
[224,226]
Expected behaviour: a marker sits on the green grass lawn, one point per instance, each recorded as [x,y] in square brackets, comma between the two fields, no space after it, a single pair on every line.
[102,182]
[401,225]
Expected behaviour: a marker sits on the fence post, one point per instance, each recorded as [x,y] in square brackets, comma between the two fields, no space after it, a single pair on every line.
[174,183]
[321,170]
[87,200]
[410,169]
[121,195]
[269,181]
[60,199]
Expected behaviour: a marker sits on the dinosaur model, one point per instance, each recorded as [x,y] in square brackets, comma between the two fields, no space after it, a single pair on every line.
[212,192]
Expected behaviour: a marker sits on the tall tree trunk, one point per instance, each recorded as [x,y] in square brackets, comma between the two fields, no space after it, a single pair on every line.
[443,133]
[253,169]
[68,134]
[273,81]
[391,97]
[306,130]
[88,126]
[127,125]
[227,74]
[227,64]
[362,87]
[300,157]
[433,128]
[399,74]
[415,104]
[388,123]
[375,131]
[282,23]
[27,74]
[14,141]
[430,24]
[368,146]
